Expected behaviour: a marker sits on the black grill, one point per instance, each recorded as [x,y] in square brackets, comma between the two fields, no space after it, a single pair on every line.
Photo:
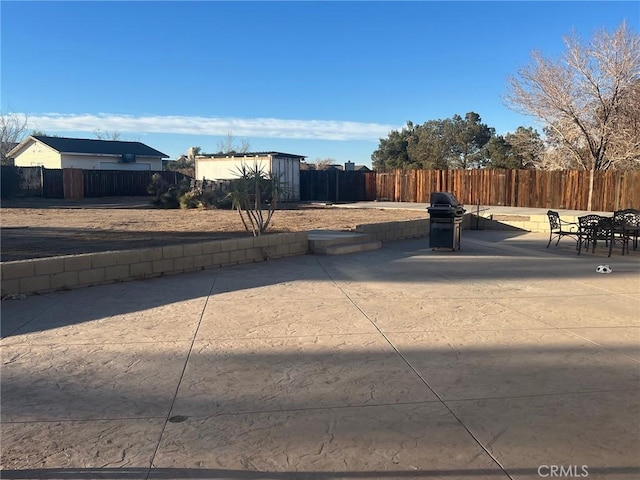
[445,213]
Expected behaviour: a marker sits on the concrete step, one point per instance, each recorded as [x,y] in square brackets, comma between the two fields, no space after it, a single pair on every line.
[320,239]
[331,242]
[347,248]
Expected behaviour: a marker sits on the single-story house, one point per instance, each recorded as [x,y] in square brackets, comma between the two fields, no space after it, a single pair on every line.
[348,167]
[87,154]
[225,166]
[334,166]
[352,167]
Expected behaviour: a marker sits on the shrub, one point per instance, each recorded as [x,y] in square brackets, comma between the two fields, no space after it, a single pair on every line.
[166,195]
[188,194]
[255,197]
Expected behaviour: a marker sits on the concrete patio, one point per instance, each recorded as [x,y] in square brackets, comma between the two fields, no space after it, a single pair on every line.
[504,360]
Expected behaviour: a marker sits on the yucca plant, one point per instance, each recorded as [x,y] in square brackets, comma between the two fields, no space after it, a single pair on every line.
[255,194]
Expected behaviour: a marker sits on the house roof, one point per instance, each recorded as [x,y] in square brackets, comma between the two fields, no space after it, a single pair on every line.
[11,145]
[253,154]
[95,147]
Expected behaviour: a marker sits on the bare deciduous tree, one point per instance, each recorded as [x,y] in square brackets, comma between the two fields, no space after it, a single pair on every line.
[625,144]
[586,99]
[13,128]
[227,145]
[324,164]
[307,166]
[106,134]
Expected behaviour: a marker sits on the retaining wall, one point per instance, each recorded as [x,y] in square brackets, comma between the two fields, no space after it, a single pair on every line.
[43,275]
[391,231]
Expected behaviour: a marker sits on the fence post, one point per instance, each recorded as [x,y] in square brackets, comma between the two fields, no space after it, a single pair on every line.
[616,201]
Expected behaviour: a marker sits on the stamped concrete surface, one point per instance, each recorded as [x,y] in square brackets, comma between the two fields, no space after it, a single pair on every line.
[504,360]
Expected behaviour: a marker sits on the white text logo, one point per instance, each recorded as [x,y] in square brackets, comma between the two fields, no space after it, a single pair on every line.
[563,471]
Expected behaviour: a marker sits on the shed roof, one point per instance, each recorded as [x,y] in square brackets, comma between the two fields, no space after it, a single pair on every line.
[253,154]
[96,147]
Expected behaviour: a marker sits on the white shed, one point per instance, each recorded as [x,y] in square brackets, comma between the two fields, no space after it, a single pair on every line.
[225,166]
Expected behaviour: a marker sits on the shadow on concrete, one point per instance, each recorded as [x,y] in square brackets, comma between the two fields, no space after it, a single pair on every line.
[100,202]
[116,203]
[88,382]
[593,407]
[181,473]
[496,222]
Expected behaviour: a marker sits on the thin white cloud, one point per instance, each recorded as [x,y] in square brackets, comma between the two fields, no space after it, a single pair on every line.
[240,127]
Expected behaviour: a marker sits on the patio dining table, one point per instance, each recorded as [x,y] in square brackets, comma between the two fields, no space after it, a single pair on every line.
[623,226]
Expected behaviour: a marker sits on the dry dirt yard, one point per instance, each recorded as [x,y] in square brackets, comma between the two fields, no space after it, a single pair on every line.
[37,227]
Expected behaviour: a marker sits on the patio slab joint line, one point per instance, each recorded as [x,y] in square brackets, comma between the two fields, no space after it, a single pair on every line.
[572,334]
[186,362]
[422,379]
[9,334]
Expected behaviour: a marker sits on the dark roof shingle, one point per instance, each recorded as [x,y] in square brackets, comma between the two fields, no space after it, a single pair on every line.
[103,147]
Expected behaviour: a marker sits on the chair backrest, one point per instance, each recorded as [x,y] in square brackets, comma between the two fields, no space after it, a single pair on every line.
[600,226]
[627,217]
[554,220]
[604,225]
[591,220]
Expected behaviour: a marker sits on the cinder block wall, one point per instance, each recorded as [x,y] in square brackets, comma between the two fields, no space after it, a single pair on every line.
[43,275]
[59,273]
[528,223]
[391,231]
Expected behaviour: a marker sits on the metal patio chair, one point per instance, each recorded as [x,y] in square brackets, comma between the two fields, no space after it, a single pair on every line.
[625,228]
[593,228]
[559,228]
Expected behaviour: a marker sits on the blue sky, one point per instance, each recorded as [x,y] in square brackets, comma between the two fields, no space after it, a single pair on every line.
[320,79]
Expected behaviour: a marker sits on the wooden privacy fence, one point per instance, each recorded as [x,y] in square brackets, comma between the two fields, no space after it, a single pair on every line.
[566,189]
[76,183]
[22,181]
[107,183]
[31,182]
[52,183]
[337,186]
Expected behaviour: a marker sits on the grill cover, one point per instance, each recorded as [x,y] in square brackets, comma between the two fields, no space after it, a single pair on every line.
[443,198]
[445,211]
[445,204]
